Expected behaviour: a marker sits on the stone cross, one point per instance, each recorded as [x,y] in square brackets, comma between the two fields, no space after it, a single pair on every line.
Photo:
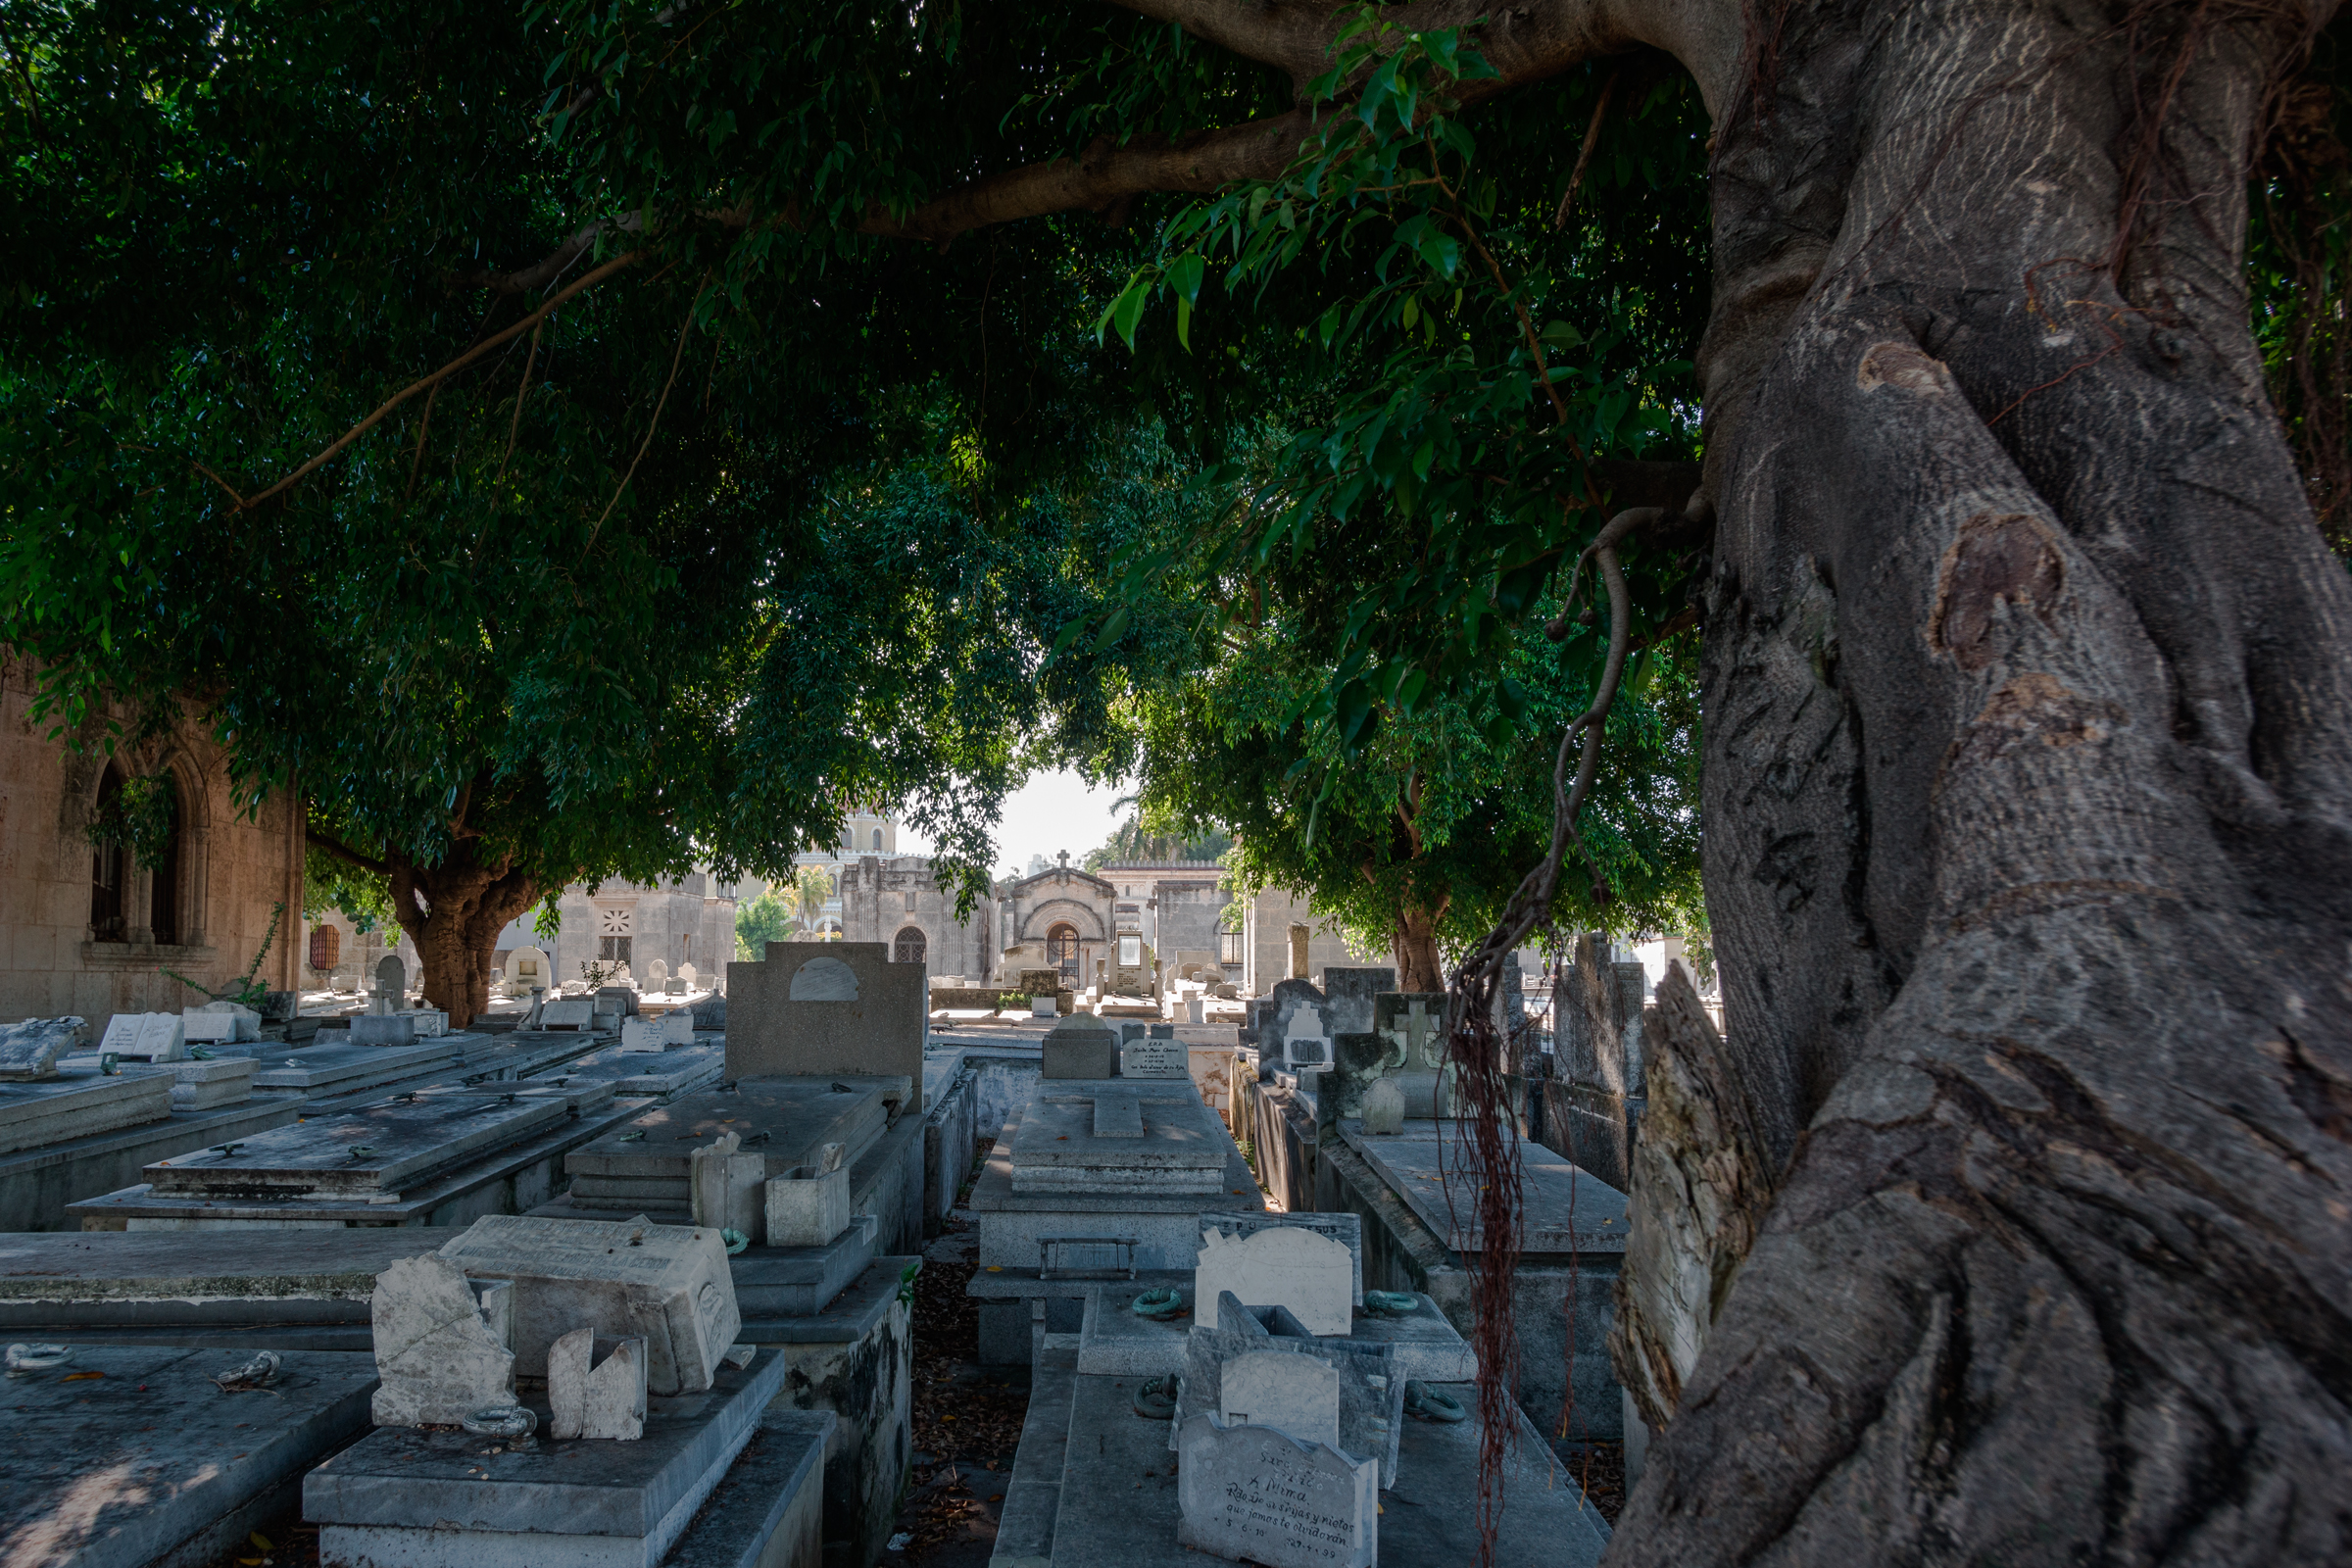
[1417,1026]
[1064,857]
[1118,1112]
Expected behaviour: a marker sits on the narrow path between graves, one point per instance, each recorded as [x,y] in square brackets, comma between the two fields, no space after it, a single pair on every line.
[967,1419]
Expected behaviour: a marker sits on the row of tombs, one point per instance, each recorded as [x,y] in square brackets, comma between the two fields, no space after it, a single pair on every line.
[673,1323]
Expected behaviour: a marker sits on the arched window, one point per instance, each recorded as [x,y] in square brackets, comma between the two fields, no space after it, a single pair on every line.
[107,866]
[162,916]
[877,838]
[1061,949]
[910,945]
[327,946]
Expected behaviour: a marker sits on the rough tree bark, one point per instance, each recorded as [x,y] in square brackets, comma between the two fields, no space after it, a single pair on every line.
[2029,721]
[1413,943]
[454,912]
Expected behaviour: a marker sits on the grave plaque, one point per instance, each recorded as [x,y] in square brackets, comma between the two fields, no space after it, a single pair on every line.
[1155,1058]
[30,1049]
[678,1028]
[667,1283]
[1305,1045]
[570,1012]
[1254,1494]
[146,1036]
[639,1034]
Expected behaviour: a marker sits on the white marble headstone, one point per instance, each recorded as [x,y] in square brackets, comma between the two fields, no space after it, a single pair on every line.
[686,972]
[1306,1046]
[639,1034]
[1299,1393]
[1312,1275]
[1253,1494]
[148,1036]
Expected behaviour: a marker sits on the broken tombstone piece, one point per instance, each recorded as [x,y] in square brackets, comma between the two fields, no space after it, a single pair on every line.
[1253,1494]
[596,1387]
[441,1344]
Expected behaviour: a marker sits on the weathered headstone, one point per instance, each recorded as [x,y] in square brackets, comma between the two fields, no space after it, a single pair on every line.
[826,1008]
[657,970]
[620,999]
[724,1187]
[1344,1228]
[809,1206]
[384,1029]
[30,1049]
[1253,1494]
[686,972]
[678,1028]
[219,1021]
[1305,1045]
[668,1283]
[568,1012]
[1383,1107]
[1369,1380]
[430,1023]
[442,1343]
[1298,1393]
[391,987]
[1310,1274]
[527,968]
[1411,1028]
[640,1034]
[596,1387]
[1081,1046]
[1154,1059]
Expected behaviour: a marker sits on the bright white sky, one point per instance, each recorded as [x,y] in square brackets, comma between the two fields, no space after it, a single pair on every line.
[1052,812]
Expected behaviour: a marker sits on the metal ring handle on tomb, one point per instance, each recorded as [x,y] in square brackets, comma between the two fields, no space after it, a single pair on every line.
[34,1358]
[501,1421]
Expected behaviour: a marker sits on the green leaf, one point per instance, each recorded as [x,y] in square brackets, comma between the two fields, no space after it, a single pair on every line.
[1183,275]
[1113,628]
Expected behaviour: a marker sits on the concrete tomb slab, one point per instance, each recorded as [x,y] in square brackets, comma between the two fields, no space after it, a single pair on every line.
[776,1280]
[668,1284]
[442,1343]
[596,1387]
[1283,1265]
[812,1007]
[1563,1209]
[30,1049]
[769,1511]
[1253,1494]
[375,1149]
[195,1085]
[315,1071]
[1115,1136]
[447,1500]
[142,1460]
[50,1110]
[645,1165]
[428,1023]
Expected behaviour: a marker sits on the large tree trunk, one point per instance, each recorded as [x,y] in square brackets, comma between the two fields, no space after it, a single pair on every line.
[1413,943]
[2029,721]
[454,912]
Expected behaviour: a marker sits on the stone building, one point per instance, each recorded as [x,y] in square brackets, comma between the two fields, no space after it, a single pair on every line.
[691,920]
[1281,938]
[894,900]
[1061,918]
[1176,905]
[87,930]
[861,833]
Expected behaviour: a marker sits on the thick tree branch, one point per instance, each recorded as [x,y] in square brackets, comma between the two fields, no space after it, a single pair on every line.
[344,852]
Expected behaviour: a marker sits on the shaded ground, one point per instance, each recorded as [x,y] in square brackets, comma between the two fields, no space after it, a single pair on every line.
[966,1421]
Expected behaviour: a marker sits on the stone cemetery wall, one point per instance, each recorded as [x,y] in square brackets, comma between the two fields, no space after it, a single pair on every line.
[225,874]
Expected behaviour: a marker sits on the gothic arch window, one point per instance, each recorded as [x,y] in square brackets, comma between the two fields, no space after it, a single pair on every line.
[877,838]
[1061,948]
[110,868]
[910,945]
[163,881]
